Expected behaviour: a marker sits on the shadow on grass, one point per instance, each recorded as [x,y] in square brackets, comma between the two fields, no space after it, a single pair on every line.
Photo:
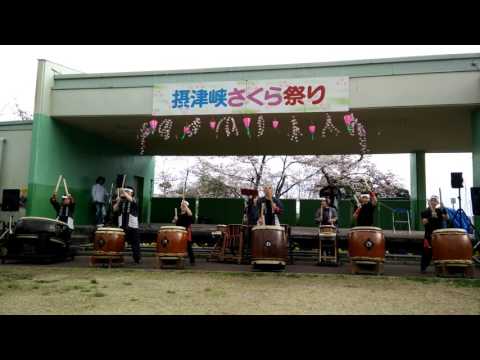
[468,283]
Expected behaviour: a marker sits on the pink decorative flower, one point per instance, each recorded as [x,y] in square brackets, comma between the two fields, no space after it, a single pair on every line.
[153,124]
[213,124]
[275,123]
[186,130]
[247,121]
[312,129]
[348,119]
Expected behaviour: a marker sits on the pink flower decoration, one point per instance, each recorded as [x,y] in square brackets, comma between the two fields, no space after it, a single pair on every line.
[247,121]
[348,119]
[153,124]
[213,124]
[186,130]
[312,128]
[275,123]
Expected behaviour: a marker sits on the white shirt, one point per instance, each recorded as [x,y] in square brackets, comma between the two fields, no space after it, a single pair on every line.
[98,193]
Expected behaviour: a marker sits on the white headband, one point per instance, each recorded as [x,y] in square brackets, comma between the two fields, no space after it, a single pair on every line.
[365,196]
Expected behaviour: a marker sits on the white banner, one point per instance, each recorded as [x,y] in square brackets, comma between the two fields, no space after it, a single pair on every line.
[329,94]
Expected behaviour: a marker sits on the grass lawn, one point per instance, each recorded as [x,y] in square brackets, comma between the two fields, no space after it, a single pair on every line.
[41,290]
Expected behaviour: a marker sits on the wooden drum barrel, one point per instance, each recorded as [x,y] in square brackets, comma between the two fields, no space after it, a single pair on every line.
[269,245]
[172,241]
[109,240]
[451,245]
[366,243]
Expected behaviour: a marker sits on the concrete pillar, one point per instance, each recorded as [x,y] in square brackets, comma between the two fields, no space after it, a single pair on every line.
[476,153]
[419,185]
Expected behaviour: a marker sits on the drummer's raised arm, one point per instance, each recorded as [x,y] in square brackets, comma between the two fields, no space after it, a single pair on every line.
[373,198]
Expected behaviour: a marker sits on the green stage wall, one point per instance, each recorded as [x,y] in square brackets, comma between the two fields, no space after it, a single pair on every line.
[229,211]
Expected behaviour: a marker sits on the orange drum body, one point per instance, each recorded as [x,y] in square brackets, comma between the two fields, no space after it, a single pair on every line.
[451,245]
[172,241]
[269,245]
[109,240]
[366,243]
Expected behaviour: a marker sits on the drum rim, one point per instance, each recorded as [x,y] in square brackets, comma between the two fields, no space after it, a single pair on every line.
[109,229]
[450,230]
[366,228]
[179,229]
[268,227]
[42,218]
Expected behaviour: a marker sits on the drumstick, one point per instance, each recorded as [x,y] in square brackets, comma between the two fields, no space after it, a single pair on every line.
[176,214]
[58,183]
[66,188]
[123,181]
[185,185]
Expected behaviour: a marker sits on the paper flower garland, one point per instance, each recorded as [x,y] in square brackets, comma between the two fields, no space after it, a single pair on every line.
[295,133]
[330,127]
[192,129]
[362,136]
[145,131]
[260,126]
[165,128]
[230,126]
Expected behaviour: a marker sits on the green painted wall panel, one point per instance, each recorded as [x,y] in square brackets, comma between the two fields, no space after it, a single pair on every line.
[80,156]
[229,211]
[163,209]
[221,211]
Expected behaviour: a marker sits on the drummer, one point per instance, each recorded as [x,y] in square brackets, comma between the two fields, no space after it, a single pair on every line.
[433,218]
[364,213]
[127,209]
[326,215]
[185,219]
[252,210]
[269,207]
[65,211]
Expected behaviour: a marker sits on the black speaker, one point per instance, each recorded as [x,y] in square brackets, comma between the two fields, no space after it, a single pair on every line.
[475,193]
[457,180]
[11,200]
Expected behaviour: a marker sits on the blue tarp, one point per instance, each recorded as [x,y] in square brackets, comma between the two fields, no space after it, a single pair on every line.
[459,221]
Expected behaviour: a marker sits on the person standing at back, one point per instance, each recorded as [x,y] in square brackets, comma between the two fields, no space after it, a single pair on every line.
[269,208]
[127,209]
[99,196]
[185,219]
[364,213]
[433,218]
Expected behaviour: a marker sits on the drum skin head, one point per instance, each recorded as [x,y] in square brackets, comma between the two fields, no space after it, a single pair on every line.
[107,229]
[173,228]
[449,231]
[36,218]
[365,228]
[268,227]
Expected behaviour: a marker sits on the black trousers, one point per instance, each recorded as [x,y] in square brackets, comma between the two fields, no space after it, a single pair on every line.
[190,252]
[426,257]
[132,236]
